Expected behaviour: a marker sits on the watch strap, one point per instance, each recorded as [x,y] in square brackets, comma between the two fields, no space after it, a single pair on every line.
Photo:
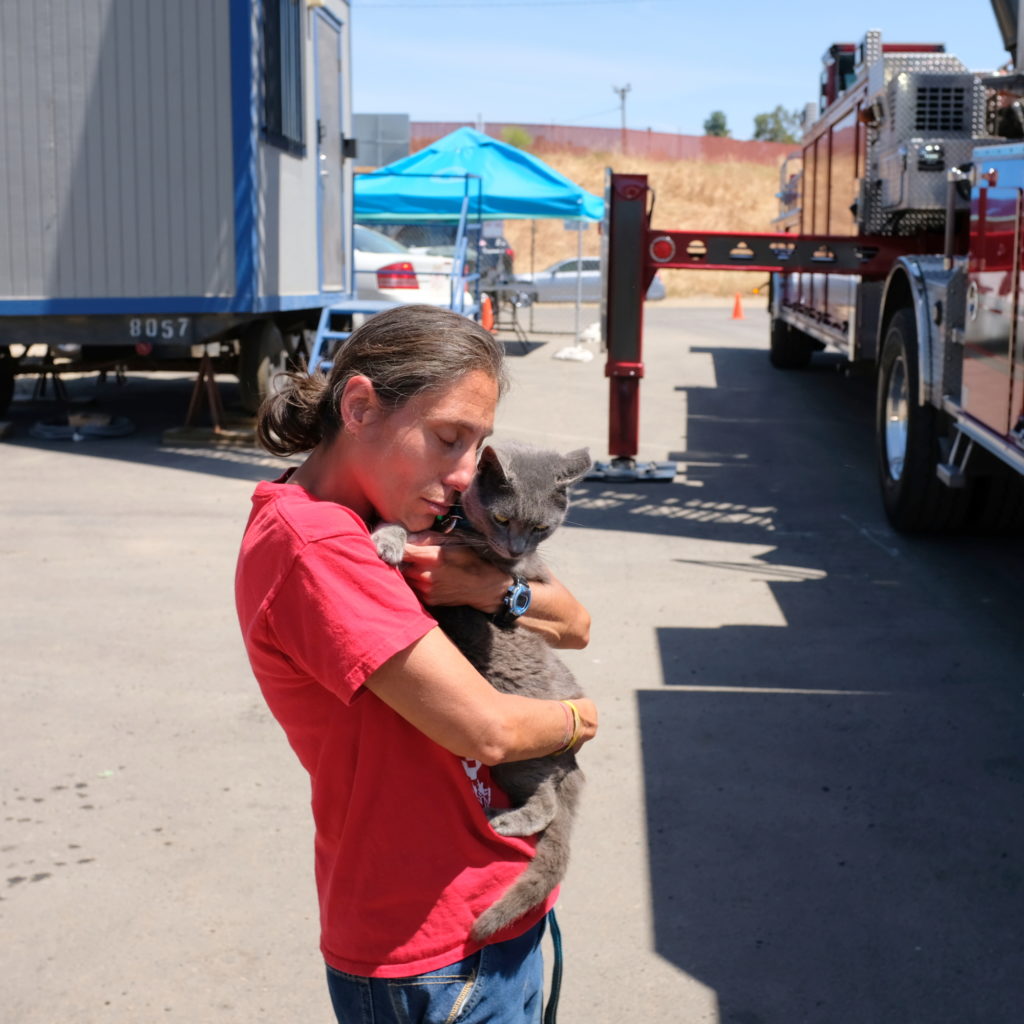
[515,602]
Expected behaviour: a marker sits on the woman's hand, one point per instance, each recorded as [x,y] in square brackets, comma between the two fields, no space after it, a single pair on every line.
[446,573]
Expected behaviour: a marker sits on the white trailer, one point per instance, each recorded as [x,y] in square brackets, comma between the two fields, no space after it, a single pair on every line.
[174,178]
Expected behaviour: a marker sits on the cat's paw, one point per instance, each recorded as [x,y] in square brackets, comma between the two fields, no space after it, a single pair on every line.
[390,542]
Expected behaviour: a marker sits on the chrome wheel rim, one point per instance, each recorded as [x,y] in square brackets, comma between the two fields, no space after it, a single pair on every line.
[897,418]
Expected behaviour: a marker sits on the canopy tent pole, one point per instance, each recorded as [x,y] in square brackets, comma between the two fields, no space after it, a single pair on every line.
[533,267]
[579,278]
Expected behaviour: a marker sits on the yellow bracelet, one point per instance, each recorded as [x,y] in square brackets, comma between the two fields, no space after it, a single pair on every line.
[577,728]
[567,736]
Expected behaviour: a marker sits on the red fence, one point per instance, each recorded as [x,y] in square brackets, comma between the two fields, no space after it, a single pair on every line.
[659,145]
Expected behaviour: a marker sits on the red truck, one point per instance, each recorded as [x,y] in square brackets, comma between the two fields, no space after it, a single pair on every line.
[899,245]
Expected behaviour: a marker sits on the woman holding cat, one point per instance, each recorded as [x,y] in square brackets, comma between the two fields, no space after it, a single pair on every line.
[394,726]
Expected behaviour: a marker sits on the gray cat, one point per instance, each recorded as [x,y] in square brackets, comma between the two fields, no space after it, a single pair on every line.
[518,498]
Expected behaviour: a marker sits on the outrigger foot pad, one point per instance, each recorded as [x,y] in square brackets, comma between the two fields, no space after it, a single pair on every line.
[629,470]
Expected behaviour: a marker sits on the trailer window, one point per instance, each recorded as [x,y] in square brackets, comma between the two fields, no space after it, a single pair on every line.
[282,70]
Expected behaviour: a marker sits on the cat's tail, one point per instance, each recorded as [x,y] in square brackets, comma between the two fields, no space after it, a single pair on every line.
[542,874]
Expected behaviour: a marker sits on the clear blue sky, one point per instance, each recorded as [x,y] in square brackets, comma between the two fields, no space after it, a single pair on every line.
[557,61]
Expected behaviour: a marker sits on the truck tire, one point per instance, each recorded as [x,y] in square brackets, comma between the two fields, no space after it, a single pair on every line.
[909,440]
[997,499]
[263,356]
[790,349]
[8,366]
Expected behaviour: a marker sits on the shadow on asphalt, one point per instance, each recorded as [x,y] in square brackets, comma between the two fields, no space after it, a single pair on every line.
[834,805]
[516,349]
[155,403]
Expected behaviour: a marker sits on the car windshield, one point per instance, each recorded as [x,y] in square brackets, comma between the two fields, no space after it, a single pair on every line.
[570,267]
[368,240]
[426,235]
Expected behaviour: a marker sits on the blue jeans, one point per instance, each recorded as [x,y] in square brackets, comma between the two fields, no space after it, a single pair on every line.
[500,984]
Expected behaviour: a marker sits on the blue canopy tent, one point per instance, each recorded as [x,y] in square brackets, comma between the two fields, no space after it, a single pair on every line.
[468,178]
[495,180]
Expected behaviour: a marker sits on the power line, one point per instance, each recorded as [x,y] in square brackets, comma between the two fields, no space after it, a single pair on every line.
[579,119]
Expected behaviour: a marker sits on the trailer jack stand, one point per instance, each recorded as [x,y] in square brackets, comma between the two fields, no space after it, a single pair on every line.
[48,371]
[205,388]
[628,470]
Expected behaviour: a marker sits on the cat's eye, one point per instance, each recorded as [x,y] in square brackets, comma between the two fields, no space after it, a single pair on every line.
[499,518]
[541,529]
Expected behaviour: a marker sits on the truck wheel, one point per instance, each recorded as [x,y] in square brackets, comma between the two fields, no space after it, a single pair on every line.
[8,366]
[790,349]
[263,356]
[997,499]
[909,438]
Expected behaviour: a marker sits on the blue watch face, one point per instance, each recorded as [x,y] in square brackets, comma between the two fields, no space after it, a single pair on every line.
[518,599]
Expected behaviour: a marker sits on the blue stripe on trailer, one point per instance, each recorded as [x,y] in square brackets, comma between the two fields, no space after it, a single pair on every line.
[244,100]
[152,305]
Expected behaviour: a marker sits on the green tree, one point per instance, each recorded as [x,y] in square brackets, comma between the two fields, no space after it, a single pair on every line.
[715,124]
[779,125]
[516,136]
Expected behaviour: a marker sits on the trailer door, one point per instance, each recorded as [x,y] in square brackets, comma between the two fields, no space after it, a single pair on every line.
[329,84]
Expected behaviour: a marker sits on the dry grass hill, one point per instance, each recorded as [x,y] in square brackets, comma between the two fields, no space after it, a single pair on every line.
[688,194]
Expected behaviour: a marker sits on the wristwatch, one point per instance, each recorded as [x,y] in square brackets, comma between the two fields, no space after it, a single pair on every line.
[513,604]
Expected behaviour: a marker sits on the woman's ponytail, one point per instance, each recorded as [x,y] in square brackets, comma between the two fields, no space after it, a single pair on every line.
[291,418]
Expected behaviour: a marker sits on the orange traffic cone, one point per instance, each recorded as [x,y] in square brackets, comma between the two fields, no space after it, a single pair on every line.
[486,313]
[737,308]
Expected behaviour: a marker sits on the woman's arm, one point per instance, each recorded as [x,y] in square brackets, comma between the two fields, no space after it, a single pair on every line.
[453,574]
[557,615]
[433,687]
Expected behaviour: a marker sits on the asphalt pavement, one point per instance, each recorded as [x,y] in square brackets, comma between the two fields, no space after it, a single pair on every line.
[805,803]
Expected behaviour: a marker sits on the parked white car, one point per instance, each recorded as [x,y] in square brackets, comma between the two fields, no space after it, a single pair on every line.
[388,271]
[558,282]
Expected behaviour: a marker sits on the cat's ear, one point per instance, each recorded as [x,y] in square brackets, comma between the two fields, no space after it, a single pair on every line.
[575,466]
[491,462]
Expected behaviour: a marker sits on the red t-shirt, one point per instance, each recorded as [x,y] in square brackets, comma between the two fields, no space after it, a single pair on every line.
[405,857]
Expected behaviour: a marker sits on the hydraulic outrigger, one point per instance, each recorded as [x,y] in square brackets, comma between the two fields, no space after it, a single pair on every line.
[635,252]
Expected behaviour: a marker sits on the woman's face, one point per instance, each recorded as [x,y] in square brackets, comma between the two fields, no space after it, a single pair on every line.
[418,456]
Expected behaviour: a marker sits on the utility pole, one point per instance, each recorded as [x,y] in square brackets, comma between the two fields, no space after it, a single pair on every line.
[621,93]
